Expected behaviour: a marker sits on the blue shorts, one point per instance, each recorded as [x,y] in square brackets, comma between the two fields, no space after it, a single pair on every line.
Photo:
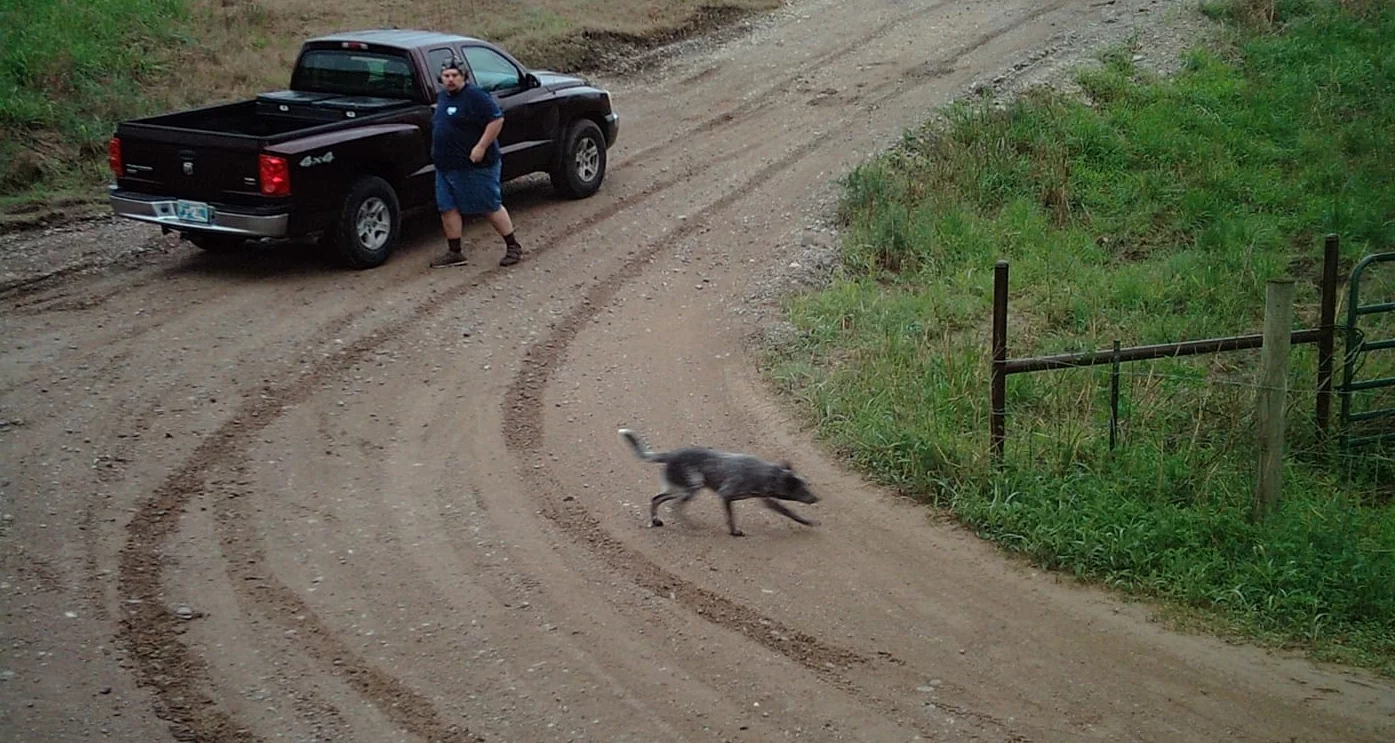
[469,190]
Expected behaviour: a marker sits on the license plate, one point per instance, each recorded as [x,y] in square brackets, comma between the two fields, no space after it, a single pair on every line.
[193,211]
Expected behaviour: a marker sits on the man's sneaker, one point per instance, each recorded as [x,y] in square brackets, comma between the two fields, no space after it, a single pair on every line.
[512,254]
[449,258]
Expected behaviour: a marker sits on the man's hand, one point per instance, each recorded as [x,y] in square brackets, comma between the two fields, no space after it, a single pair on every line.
[476,154]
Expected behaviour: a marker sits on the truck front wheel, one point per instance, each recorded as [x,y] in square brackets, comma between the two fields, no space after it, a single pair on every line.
[368,225]
[580,164]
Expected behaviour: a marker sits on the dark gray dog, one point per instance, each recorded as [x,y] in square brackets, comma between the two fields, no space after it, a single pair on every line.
[731,476]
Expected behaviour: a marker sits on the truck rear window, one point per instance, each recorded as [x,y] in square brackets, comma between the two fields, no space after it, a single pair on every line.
[354,73]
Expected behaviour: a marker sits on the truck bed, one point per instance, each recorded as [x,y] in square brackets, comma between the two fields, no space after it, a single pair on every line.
[273,116]
[210,153]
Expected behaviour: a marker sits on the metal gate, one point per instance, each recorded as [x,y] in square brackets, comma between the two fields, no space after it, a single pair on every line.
[1357,346]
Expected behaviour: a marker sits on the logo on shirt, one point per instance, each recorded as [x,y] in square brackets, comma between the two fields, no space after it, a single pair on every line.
[450,110]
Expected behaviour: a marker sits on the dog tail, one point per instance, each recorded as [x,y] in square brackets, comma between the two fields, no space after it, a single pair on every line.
[640,450]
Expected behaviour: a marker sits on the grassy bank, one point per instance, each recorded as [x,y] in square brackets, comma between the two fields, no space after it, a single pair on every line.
[70,70]
[67,70]
[1152,211]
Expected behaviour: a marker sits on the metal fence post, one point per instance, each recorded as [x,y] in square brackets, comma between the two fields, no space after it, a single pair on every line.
[998,402]
[1114,398]
[1327,329]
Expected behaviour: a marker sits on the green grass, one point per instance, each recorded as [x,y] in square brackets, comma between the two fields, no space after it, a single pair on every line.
[68,71]
[1152,211]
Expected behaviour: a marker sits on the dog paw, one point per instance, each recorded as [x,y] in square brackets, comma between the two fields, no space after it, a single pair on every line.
[813,522]
[738,533]
[656,522]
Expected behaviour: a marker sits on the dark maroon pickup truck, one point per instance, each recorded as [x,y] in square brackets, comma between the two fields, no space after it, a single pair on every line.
[346,150]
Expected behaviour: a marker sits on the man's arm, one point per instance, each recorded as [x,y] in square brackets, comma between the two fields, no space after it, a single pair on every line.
[491,132]
[490,108]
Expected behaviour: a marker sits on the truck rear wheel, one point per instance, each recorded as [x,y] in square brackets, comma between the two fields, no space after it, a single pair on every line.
[369,223]
[580,164]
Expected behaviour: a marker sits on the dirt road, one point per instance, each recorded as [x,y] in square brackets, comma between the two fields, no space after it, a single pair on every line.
[262,498]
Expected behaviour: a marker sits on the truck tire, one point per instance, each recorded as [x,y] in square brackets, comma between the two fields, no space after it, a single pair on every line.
[580,164]
[217,244]
[369,222]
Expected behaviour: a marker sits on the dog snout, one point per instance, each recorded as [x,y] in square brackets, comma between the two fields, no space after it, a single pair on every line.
[809,497]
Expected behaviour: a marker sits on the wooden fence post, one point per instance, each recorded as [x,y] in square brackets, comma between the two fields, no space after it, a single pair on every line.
[1273,392]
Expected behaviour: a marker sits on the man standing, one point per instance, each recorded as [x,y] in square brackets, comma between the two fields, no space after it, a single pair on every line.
[468,162]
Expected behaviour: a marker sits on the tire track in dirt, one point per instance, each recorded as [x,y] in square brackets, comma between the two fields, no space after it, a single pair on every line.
[119,454]
[164,664]
[149,629]
[523,403]
[998,33]
[944,65]
[279,603]
[523,416]
[17,290]
[339,324]
[627,201]
[176,675]
[335,326]
[65,302]
[21,288]
[101,372]
[523,420]
[524,428]
[760,100]
[151,632]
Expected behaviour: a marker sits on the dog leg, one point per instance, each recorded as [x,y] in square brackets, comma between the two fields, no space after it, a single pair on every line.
[654,504]
[731,520]
[775,506]
[680,502]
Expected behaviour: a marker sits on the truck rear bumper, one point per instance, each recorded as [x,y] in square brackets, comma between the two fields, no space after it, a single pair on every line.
[222,219]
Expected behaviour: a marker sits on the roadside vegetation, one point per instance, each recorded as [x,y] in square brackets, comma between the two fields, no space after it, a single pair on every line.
[1146,210]
[70,70]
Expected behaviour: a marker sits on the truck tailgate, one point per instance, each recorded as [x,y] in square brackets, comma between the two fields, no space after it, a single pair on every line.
[185,164]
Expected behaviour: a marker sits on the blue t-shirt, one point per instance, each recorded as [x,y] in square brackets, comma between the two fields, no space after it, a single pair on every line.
[457,126]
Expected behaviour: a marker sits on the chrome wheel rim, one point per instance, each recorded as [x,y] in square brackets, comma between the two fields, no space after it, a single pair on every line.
[588,159]
[373,223]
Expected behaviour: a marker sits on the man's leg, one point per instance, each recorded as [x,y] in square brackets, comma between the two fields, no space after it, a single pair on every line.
[502,224]
[500,221]
[451,223]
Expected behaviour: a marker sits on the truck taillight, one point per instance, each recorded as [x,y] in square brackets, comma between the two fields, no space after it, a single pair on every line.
[118,169]
[275,176]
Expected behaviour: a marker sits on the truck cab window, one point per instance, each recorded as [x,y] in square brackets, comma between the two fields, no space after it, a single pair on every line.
[491,71]
[436,60]
[355,73]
